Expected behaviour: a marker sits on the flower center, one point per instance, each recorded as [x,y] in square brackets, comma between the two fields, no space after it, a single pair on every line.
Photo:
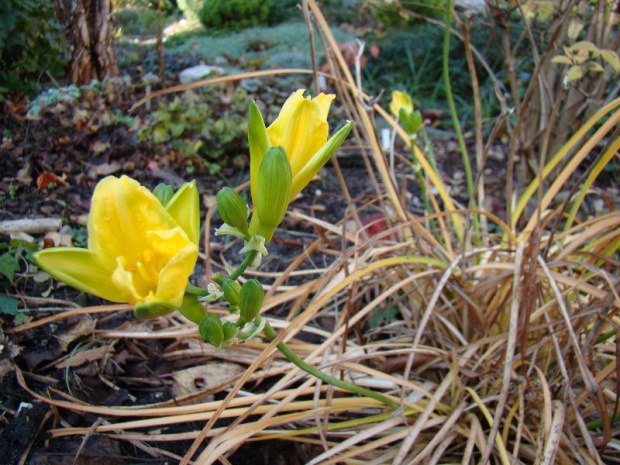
[147,267]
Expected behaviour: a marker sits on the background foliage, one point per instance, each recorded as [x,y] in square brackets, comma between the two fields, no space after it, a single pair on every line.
[31,43]
[236,14]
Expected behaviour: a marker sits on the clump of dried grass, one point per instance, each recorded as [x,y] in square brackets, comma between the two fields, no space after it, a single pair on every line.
[500,348]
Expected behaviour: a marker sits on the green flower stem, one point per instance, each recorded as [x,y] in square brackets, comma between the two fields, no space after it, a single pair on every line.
[417,169]
[247,261]
[455,119]
[195,290]
[271,334]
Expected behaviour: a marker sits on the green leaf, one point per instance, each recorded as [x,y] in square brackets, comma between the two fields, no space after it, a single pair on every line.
[575,26]
[160,135]
[612,58]
[545,9]
[575,73]
[8,265]
[8,305]
[593,66]
[561,59]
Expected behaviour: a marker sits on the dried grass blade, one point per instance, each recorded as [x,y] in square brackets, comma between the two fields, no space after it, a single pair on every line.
[442,436]
[367,125]
[501,447]
[562,178]
[572,142]
[422,419]
[611,152]
[67,314]
[555,435]
[513,330]
[353,441]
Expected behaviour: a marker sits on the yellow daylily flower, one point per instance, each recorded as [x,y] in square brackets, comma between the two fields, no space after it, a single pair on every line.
[138,252]
[301,130]
[401,101]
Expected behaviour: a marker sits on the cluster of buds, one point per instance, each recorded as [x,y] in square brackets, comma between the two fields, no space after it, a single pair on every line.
[245,300]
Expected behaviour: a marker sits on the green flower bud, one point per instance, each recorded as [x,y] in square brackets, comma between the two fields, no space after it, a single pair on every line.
[411,122]
[273,191]
[192,309]
[251,300]
[164,193]
[230,330]
[231,291]
[233,209]
[211,330]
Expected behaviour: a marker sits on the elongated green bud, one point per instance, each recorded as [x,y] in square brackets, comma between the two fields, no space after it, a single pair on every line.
[259,143]
[273,191]
[233,209]
[251,300]
[164,193]
[231,291]
[211,330]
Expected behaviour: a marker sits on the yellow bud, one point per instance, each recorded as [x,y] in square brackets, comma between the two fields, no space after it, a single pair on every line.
[400,101]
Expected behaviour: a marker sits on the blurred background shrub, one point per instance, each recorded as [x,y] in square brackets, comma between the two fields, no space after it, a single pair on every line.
[31,44]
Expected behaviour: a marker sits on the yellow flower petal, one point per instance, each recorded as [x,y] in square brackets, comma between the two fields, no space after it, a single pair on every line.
[133,288]
[185,210]
[79,268]
[400,101]
[173,277]
[313,166]
[161,271]
[301,129]
[122,212]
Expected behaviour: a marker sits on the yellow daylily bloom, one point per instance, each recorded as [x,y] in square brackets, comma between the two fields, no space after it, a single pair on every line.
[301,130]
[401,101]
[301,127]
[138,252]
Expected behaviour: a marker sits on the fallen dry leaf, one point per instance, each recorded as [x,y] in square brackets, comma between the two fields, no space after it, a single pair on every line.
[104,169]
[23,175]
[46,178]
[83,356]
[57,239]
[84,325]
[204,377]
[99,146]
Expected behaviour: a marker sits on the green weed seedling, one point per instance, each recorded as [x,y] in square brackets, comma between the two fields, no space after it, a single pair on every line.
[15,256]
